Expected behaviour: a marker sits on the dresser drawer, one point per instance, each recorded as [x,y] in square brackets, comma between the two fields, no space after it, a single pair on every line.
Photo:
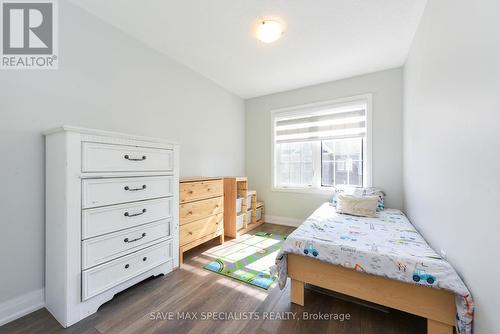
[101,192]
[98,157]
[193,191]
[110,246]
[192,211]
[108,275]
[109,219]
[200,228]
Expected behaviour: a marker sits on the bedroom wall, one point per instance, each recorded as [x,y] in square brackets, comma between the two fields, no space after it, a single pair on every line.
[105,80]
[451,140]
[291,208]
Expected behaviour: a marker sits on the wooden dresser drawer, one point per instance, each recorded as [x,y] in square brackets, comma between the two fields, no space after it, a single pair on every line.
[109,219]
[192,211]
[108,275]
[110,246]
[98,157]
[101,192]
[200,228]
[193,191]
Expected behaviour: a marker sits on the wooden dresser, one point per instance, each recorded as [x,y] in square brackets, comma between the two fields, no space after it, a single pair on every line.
[201,211]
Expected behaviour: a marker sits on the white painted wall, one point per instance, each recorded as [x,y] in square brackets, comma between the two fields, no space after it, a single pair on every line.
[386,87]
[109,81]
[451,141]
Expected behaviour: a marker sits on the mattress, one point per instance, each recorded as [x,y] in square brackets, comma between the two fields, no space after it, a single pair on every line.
[387,245]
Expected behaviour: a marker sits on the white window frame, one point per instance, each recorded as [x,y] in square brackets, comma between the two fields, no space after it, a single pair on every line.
[367,154]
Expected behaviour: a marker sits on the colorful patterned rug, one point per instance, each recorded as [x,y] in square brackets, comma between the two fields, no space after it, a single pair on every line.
[248,258]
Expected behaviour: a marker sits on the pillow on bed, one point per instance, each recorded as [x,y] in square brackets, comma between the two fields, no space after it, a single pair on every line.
[376,192]
[363,206]
[357,191]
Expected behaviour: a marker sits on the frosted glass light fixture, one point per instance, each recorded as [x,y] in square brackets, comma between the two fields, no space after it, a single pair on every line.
[269,31]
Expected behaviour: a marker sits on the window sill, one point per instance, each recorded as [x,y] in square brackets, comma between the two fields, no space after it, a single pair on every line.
[317,191]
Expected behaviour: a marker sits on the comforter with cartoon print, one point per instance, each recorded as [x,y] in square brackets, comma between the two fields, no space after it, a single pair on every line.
[387,245]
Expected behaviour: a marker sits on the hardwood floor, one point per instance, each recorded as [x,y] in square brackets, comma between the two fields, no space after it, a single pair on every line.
[145,307]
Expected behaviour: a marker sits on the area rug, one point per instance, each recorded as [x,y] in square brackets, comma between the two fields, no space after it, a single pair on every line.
[248,258]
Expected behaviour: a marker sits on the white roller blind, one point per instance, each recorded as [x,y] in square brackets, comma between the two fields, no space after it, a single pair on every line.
[325,123]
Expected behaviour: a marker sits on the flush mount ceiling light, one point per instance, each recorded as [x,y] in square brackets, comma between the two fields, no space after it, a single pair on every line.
[269,31]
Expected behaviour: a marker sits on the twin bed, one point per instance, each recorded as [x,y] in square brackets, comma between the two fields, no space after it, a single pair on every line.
[383,260]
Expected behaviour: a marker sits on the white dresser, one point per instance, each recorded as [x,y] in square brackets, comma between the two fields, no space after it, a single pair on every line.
[112,216]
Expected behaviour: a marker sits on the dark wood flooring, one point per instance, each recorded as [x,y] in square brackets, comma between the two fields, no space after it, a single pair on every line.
[194,289]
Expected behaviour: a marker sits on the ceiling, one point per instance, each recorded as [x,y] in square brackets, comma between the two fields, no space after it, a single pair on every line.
[324,40]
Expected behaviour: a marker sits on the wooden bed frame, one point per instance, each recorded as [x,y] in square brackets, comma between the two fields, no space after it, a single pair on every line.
[437,306]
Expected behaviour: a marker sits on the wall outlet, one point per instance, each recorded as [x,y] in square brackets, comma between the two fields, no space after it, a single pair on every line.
[443,254]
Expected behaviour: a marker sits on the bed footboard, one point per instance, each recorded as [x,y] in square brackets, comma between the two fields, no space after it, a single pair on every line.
[437,306]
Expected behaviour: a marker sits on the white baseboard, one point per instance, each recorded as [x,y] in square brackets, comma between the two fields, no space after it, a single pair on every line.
[278,220]
[20,306]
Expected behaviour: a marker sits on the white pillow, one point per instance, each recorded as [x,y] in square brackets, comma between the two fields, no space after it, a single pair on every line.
[364,206]
[357,191]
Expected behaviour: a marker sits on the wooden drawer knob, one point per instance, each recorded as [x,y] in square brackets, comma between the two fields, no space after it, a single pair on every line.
[190,233]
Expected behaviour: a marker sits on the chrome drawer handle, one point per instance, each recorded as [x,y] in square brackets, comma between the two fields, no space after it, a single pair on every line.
[135,189]
[127,240]
[134,159]
[126,214]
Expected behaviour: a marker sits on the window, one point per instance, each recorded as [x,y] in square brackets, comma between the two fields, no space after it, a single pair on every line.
[342,162]
[323,145]
[295,164]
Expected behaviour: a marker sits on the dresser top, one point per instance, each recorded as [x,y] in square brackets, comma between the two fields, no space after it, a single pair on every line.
[103,133]
[199,178]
